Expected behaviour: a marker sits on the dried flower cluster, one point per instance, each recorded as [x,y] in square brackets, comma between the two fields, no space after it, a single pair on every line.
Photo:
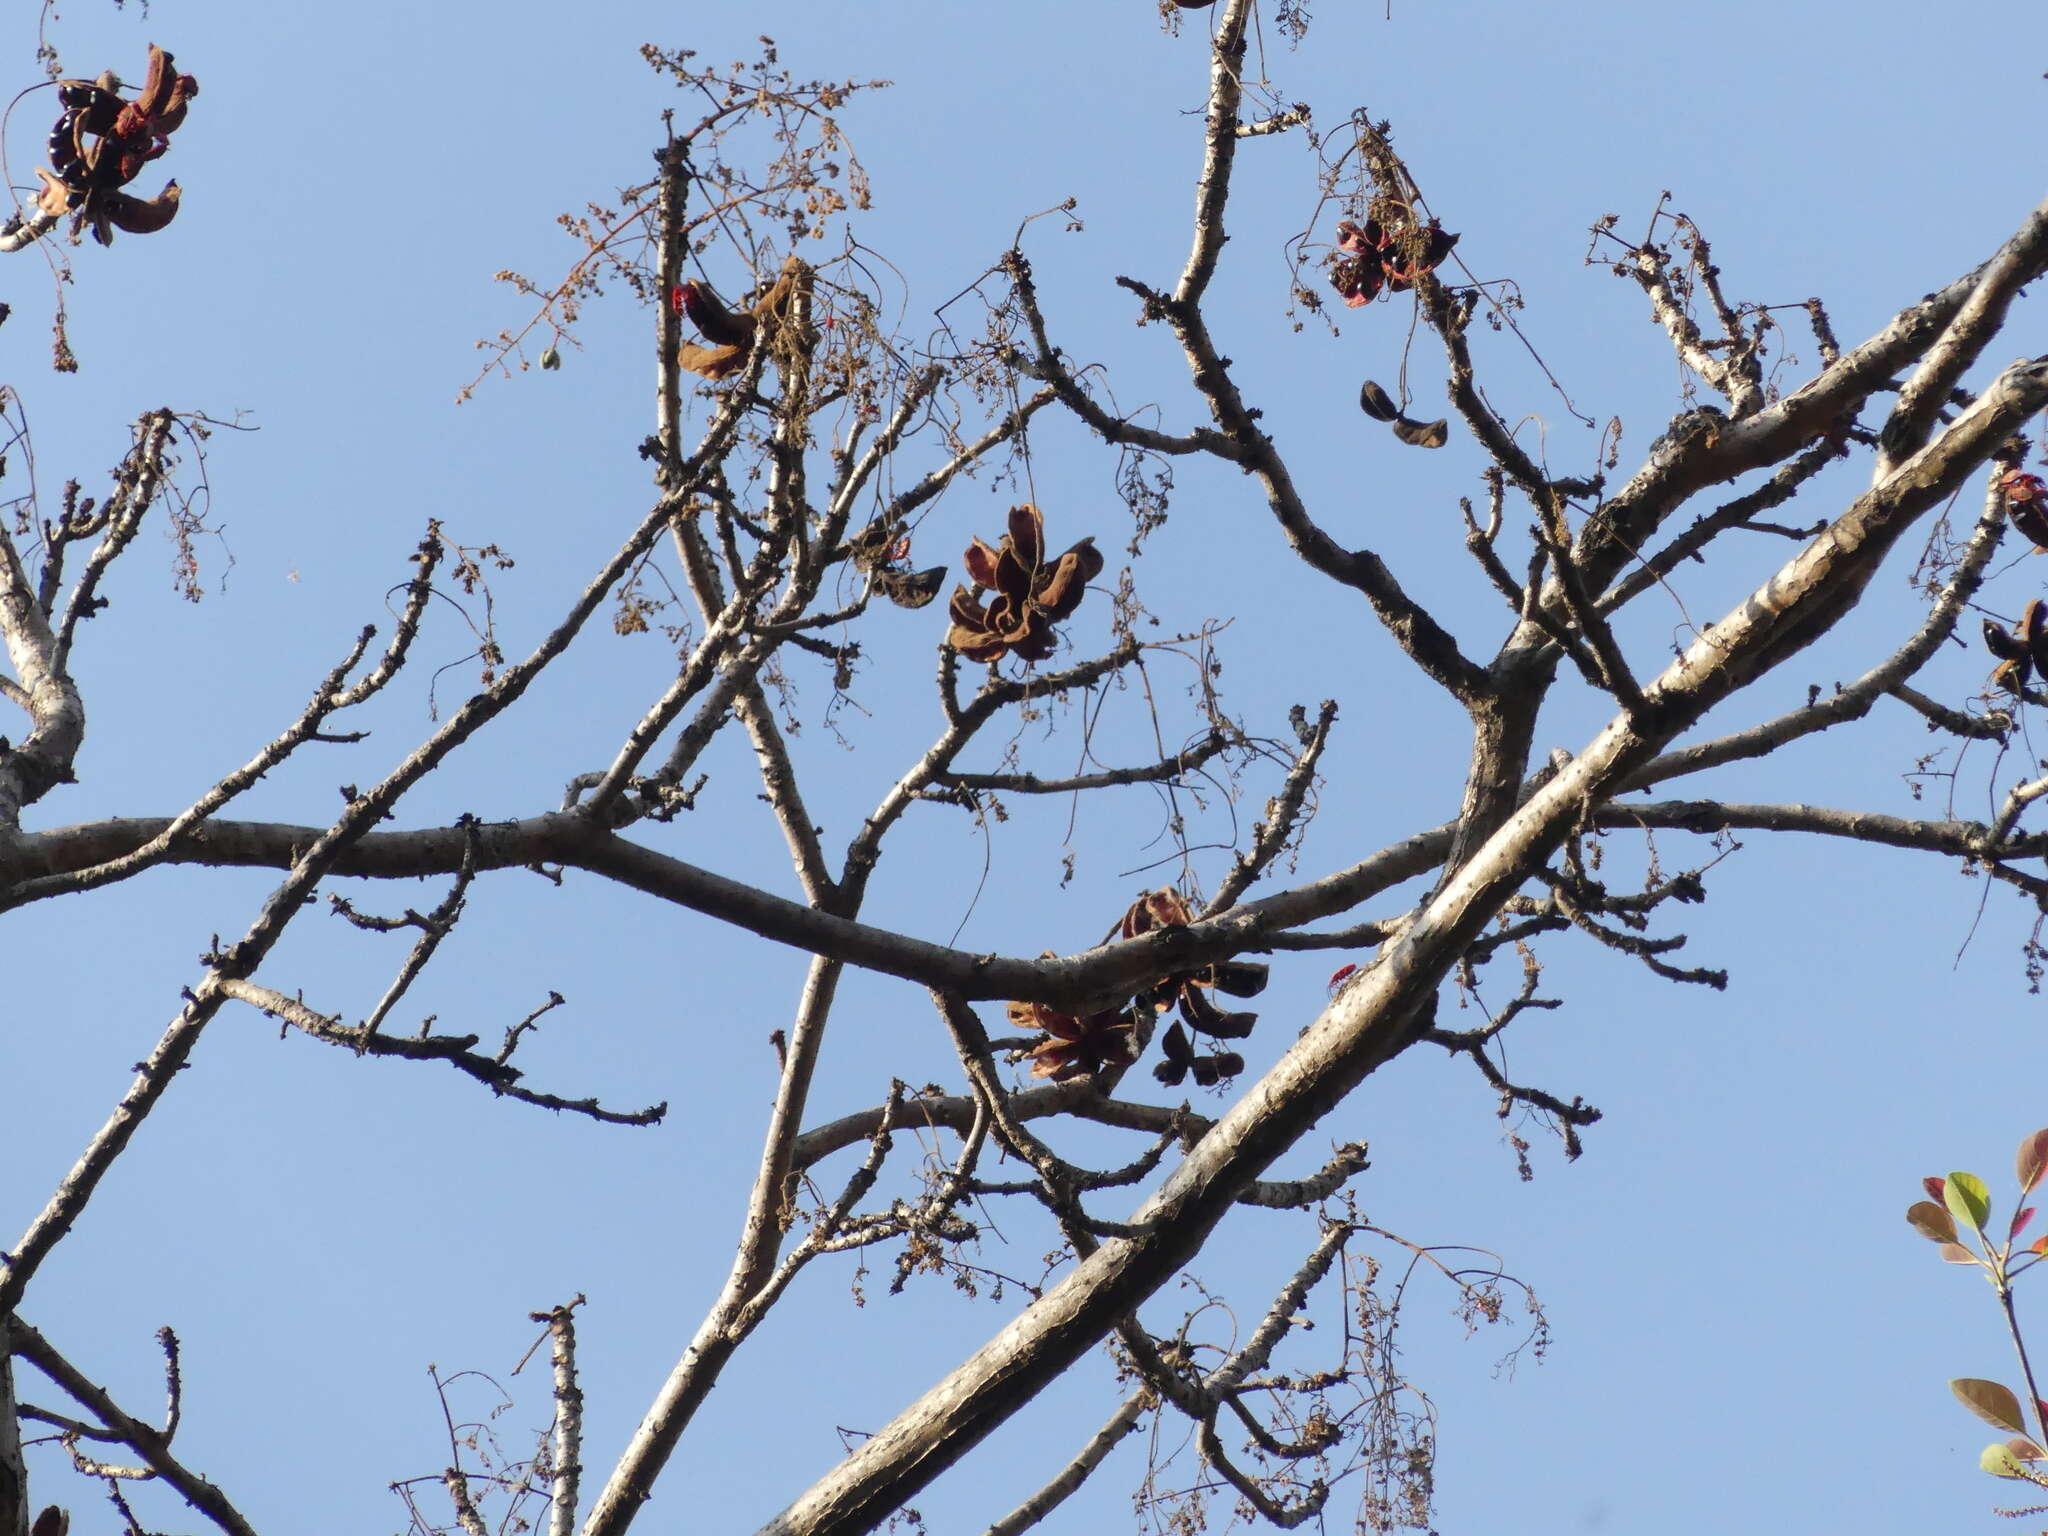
[1030,594]
[102,142]
[1390,252]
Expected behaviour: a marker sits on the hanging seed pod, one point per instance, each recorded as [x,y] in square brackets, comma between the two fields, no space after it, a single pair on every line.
[1376,403]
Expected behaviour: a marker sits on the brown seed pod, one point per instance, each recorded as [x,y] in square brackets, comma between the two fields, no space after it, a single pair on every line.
[138,216]
[1422,434]
[719,325]
[713,363]
[2033,629]
[1376,403]
[2028,518]
[2002,644]
[910,589]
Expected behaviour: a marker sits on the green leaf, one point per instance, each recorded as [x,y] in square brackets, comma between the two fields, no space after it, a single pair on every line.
[1931,1221]
[1967,1199]
[1992,1403]
[2032,1161]
[1999,1462]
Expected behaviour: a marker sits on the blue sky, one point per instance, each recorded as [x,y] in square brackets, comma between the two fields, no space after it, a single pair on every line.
[1745,1330]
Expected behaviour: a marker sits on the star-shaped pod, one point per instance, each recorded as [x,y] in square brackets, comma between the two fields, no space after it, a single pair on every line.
[1389,251]
[1028,594]
[1190,993]
[1076,1047]
[102,142]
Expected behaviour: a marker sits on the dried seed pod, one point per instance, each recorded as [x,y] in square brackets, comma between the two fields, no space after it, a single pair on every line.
[714,363]
[2026,505]
[1075,1047]
[1061,592]
[1239,978]
[1212,1021]
[719,325]
[1376,403]
[1180,1055]
[1422,434]
[1029,596]
[2002,644]
[139,217]
[1211,1070]
[910,589]
[981,561]
[2033,630]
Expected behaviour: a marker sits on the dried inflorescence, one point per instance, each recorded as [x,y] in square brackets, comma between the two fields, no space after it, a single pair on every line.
[2021,650]
[1030,594]
[102,142]
[2026,505]
[1390,251]
[732,334]
[1076,1047]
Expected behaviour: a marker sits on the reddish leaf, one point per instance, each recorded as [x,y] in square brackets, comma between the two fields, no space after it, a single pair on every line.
[1992,1403]
[1935,1188]
[2020,1218]
[1931,1221]
[2032,1160]
[2025,1449]
[1956,1253]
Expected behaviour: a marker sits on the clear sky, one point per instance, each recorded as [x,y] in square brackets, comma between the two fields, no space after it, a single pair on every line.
[1746,1334]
